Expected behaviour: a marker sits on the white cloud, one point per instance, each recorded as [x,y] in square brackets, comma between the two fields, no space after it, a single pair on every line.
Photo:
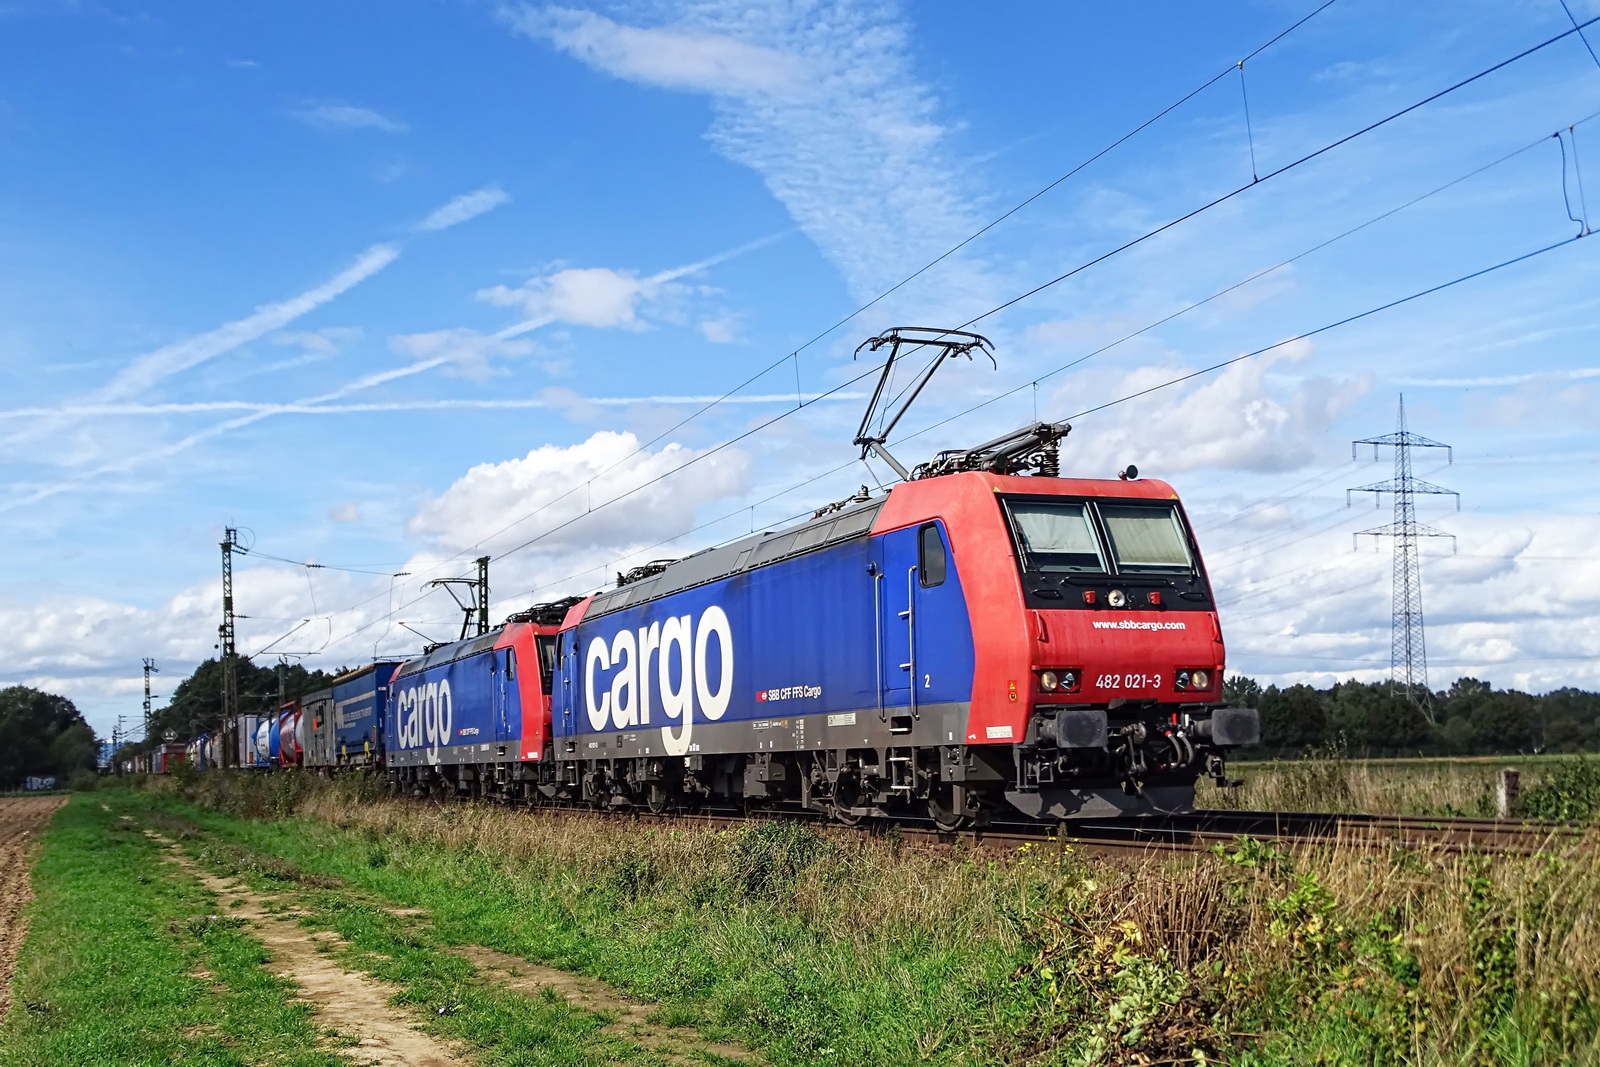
[1514,606]
[581,296]
[349,511]
[325,341]
[566,483]
[723,330]
[467,352]
[1577,374]
[548,398]
[821,101]
[671,58]
[1236,419]
[602,297]
[133,460]
[464,207]
[346,117]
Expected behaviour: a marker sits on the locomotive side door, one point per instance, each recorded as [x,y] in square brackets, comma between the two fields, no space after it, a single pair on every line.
[564,693]
[500,682]
[895,556]
[921,660]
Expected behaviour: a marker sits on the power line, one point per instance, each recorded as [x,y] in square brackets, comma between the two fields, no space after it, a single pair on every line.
[1099,259]
[308,566]
[1107,255]
[794,354]
[1182,378]
[1436,190]
[1332,325]
[1281,170]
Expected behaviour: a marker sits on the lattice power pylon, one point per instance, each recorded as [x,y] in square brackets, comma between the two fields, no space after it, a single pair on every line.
[1408,654]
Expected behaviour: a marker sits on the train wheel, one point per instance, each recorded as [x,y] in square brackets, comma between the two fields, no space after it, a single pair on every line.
[657,799]
[942,809]
[847,794]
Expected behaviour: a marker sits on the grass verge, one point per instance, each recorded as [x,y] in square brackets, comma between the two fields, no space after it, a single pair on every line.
[126,964]
[842,949]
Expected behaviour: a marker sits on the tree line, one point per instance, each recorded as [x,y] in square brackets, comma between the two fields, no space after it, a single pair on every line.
[42,734]
[1469,718]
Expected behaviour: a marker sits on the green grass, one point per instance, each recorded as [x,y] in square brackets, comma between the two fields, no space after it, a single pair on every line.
[841,949]
[503,1027]
[806,1002]
[110,972]
[439,989]
[1554,786]
[724,954]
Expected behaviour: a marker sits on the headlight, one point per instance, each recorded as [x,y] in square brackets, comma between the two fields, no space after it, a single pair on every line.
[1069,679]
[1182,681]
[1200,680]
[1048,682]
[1117,598]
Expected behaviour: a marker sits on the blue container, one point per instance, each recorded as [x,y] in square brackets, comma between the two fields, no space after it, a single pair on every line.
[360,699]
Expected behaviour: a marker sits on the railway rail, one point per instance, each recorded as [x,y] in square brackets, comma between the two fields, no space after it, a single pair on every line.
[1158,835]
[1203,830]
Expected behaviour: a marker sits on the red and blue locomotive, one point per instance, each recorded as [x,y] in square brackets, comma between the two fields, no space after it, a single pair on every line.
[985,637]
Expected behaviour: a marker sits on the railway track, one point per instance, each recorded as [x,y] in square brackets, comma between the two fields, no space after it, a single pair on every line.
[1203,830]
[1165,834]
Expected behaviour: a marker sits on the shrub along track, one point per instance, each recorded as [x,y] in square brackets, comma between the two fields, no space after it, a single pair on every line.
[20,819]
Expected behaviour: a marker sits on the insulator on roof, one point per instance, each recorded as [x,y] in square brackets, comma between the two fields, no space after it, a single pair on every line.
[643,571]
[549,614]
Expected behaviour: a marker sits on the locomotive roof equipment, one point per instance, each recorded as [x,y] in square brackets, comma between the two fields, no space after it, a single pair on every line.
[948,345]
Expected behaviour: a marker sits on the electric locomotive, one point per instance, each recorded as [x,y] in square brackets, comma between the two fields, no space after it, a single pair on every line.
[971,642]
[986,637]
[473,716]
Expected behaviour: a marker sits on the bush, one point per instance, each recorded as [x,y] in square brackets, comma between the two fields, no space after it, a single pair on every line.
[83,781]
[1571,793]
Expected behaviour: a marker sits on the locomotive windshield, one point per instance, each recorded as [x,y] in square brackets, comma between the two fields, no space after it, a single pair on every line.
[1056,536]
[1099,537]
[1146,538]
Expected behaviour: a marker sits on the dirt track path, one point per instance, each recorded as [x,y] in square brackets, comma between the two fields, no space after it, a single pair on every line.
[634,1022]
[351,1003]
[20,819]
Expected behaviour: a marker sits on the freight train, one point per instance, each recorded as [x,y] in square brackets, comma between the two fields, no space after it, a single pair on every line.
[984,637]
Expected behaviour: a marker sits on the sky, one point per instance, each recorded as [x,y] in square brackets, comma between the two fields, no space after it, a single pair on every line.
[390,287]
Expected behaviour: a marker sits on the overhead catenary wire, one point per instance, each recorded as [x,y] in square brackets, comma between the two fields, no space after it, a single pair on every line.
[1346,139]
[1393,116]
[1251,278]
[795,353]
[1581,36]
[1281,264]
[1286,168]
[1333,325]
[1346,320]
[307,565]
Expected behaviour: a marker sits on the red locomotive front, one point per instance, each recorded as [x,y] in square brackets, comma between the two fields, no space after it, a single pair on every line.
[1098,657]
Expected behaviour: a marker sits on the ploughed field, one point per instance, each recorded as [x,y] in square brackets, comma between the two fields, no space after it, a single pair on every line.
[289,920]
[21,818]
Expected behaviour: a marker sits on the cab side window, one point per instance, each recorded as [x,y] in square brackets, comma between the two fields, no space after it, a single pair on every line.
[930,556]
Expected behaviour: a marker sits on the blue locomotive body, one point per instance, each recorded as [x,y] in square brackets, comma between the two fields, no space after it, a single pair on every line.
[816,651]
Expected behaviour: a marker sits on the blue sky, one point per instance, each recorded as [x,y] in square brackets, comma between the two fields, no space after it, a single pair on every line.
[389,288]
